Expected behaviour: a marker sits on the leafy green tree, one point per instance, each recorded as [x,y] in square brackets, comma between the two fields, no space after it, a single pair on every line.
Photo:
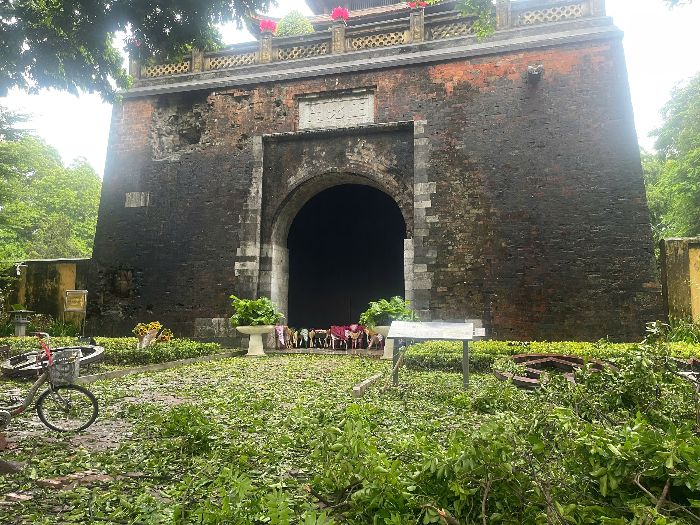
[10,122]
[484,12]
[672,176]
[68,44]
[658,196]
[47,210]
[294,23]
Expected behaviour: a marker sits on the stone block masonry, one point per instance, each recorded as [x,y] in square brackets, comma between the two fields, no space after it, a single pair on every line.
[524,201]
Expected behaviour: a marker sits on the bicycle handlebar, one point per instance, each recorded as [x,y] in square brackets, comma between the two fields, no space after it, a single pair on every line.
[47,350]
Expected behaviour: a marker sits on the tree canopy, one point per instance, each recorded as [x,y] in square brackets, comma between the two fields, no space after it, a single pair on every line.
[47,209]
[69,44]
[294,23]
[672,175]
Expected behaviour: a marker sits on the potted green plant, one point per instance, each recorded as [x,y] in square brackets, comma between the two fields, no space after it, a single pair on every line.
[381,313]
[255,317]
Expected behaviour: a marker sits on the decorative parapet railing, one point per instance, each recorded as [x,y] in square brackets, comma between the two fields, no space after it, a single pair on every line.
[163,70]
[240,55]
[533,12]
[305,46]
[368,36]
[449,28]
[417,27]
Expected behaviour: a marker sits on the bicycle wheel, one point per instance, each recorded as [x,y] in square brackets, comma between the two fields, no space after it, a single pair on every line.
[67,408]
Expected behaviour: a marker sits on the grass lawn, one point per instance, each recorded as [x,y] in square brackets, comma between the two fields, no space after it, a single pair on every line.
[281,440]
[262,416]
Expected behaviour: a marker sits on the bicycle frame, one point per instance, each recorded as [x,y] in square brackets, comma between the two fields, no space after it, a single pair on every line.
[53,391]
[27,401]
[15,410]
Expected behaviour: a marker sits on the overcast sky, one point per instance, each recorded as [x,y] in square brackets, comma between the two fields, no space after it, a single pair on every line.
[662,48]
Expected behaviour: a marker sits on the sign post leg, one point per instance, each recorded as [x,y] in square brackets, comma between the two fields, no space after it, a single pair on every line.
[465,364]
[394,362]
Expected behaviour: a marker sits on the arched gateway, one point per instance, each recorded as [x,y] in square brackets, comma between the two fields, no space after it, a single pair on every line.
[346,248]
[297,168]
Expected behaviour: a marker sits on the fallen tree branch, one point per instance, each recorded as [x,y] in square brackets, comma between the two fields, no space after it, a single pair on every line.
[484,499]
[659,502]
[664,495]
[10,467]
[343,496]
[444,515]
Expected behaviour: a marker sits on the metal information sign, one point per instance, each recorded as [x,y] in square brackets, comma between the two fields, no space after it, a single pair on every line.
[76,301]
[433,331]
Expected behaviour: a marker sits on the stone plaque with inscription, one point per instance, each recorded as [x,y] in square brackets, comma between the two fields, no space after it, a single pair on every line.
[342,111]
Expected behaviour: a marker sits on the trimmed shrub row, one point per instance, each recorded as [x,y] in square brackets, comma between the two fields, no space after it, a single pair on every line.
[122,350]
[430,355]
[447,355]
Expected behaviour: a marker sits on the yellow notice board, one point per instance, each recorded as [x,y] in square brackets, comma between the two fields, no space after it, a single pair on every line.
[76,301]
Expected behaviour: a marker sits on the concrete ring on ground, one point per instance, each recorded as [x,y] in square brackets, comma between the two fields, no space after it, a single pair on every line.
[25,366]
[537,365]
[689,369]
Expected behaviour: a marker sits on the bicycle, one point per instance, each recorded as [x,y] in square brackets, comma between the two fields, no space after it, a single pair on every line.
[63,406]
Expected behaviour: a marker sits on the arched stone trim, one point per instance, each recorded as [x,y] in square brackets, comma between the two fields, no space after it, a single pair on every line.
[423,257]
[262,259]
[274,273]
[303,191]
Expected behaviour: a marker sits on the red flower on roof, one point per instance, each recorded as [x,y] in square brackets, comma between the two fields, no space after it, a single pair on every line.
[413,5]
[340,13]
[268,25]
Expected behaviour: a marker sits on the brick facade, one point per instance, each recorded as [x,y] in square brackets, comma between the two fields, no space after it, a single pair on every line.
[523,200]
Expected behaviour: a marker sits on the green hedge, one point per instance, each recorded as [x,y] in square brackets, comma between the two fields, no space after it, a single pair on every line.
[447,355]
[19,345]
[431,355]
[122,350]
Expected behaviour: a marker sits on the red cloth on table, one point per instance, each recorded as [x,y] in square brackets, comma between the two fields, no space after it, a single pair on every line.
[339,332]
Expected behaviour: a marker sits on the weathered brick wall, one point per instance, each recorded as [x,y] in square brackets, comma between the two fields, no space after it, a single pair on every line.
[538,222]
[555,217]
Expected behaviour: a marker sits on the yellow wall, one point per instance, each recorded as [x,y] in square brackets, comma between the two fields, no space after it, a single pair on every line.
[694,263]
[43,283]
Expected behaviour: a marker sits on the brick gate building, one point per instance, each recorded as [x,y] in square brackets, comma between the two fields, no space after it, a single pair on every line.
[513,161]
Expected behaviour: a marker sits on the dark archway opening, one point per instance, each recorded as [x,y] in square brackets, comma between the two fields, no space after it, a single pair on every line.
[345,249]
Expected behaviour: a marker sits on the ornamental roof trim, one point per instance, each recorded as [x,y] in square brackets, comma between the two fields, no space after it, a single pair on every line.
[506,41]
